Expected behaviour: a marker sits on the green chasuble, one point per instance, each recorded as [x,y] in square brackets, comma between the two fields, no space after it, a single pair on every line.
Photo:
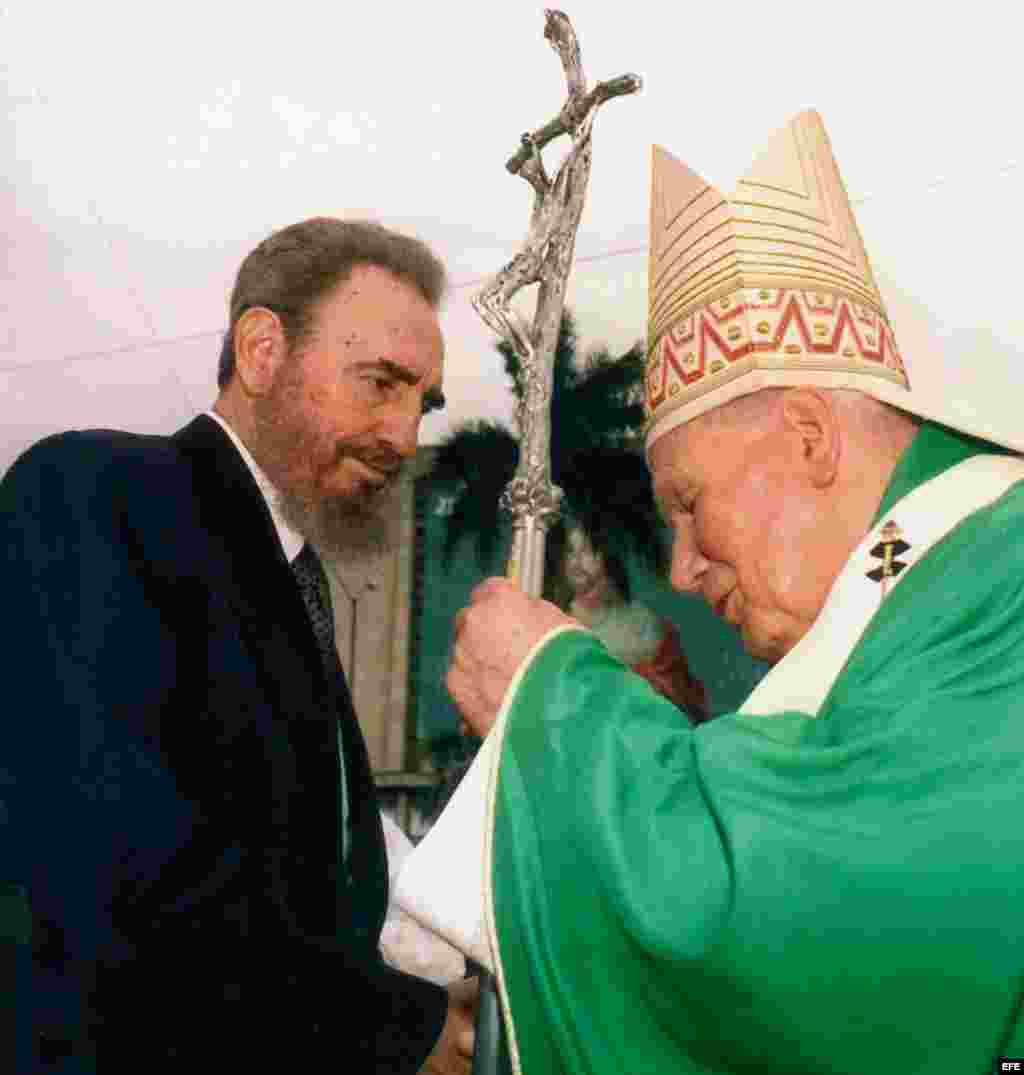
[781,895]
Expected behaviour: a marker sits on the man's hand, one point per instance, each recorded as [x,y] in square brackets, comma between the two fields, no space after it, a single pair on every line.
[453,1053]
[493,635]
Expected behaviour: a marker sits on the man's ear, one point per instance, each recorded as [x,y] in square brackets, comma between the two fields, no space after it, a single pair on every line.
[260,350]
[810,417]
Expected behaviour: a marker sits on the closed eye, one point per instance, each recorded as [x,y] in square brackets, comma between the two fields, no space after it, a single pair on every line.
[381,382]
[682,507]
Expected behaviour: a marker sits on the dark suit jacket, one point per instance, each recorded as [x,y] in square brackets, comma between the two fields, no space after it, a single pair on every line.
[169,784]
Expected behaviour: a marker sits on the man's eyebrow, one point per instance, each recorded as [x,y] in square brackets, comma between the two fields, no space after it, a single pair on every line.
[670,491]
[399,372]
[433,400]
[659,491]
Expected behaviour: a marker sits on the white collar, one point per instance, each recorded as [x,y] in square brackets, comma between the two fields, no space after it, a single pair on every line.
[291,540]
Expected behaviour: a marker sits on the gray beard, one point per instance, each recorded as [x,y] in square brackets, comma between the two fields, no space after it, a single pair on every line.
[344,532]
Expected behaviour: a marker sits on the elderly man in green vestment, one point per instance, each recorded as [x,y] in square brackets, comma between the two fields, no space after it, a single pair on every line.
[829,880]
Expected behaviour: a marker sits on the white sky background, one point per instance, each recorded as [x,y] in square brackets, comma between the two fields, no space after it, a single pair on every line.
[147,148]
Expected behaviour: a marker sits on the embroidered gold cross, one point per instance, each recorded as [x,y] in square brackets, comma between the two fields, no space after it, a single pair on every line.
[891,546]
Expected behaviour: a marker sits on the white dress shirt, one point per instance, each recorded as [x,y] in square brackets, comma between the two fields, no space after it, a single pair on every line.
[291,540]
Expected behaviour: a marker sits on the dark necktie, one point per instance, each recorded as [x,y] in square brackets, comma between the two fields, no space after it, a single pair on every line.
[316,596]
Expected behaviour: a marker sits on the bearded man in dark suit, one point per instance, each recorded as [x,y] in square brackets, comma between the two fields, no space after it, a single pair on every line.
[185,797]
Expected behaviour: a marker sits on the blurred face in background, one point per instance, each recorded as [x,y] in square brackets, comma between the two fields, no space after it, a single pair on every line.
[585,570]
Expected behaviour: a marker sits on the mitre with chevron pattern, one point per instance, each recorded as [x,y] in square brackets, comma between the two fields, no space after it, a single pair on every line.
[770,287]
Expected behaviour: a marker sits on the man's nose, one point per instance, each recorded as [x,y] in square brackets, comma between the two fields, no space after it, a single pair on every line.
[401,426]
[688,565]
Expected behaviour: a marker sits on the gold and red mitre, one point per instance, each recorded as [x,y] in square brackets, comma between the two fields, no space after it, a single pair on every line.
[769,288]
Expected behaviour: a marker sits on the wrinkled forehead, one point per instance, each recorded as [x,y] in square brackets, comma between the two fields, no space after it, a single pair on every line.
[406,320]
[672,458]
[386,320]
[699,454]
[416,335]
[373,297]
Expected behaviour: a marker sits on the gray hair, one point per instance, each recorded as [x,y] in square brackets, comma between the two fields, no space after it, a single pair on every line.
[293,269]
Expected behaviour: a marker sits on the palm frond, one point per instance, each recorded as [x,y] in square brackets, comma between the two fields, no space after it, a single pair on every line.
[607,378]
[478,460]
[608,492]
[596,422]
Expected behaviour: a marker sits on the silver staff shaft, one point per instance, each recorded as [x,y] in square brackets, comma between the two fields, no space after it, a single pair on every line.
[526,562]
[525,567]
[545,259]
[490,1050]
